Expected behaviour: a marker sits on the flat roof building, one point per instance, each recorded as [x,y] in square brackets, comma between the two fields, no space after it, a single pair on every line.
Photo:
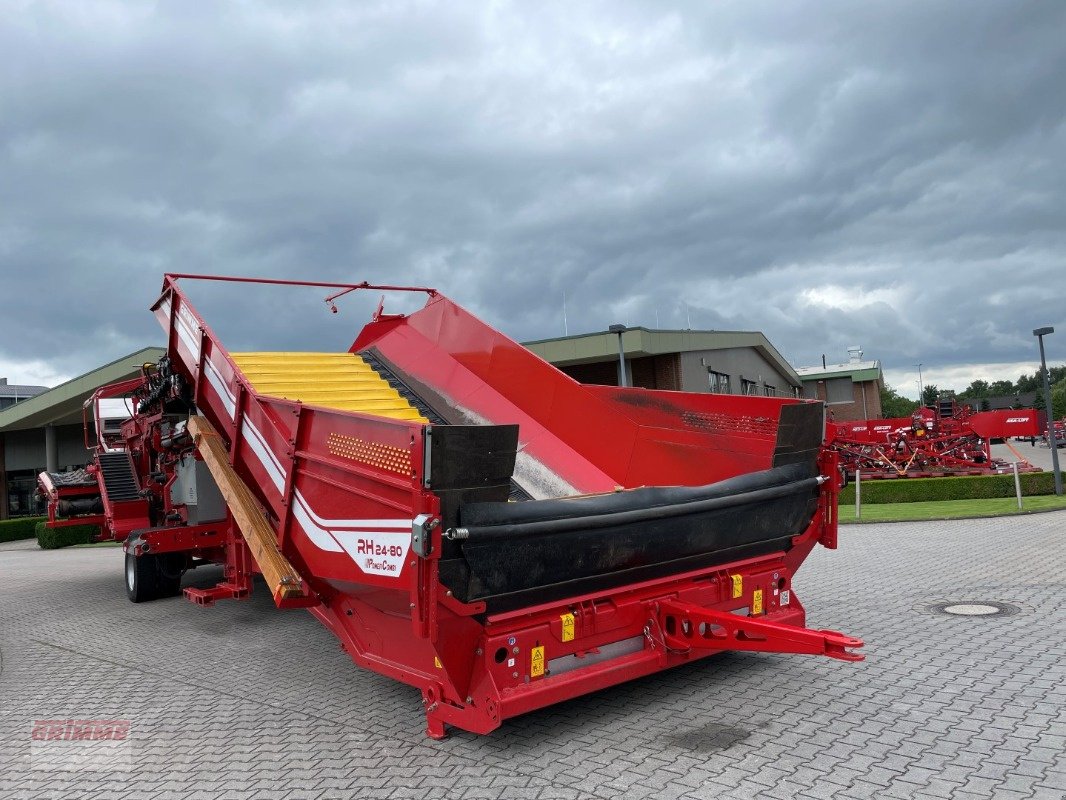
[10,394]
[728,362]
[851,391]
[45,432]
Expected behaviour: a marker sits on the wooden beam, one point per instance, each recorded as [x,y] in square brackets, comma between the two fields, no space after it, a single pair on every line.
[285,582]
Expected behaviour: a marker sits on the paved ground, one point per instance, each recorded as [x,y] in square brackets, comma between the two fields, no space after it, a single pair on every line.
[242,701]
[1038,455]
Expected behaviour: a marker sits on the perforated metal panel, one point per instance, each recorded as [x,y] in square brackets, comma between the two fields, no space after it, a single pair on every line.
[374,454]
[763,427]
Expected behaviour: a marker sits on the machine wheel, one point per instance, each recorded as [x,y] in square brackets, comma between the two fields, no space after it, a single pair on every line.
[140,578]
[149,577]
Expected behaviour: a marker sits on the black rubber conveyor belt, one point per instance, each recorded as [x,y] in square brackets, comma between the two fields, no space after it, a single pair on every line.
[640,505]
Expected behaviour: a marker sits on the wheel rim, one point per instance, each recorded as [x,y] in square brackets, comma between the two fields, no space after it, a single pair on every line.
[131,572]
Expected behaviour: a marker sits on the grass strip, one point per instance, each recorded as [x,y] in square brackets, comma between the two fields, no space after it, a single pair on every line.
[950,509]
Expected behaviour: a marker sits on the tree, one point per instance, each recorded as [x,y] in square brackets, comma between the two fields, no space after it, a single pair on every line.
[1028,383]
[894,405]
[1058,400]
[977,390]
[1035,382]
[1000,388]
[930,394]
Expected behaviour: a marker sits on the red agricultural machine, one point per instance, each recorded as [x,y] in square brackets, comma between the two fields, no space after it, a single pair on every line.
[462,516]
[948,440]
[1058,431]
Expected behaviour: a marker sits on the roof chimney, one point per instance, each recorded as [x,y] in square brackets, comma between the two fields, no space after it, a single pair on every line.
[854,354]
[3,381]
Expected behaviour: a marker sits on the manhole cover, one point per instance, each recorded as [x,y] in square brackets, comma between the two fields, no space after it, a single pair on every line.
[971,609]
[975,608]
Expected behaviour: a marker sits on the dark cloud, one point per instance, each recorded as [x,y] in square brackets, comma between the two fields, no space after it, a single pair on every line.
[887,174]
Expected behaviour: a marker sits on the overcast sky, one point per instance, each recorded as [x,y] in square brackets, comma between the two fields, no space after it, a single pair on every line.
[891,175]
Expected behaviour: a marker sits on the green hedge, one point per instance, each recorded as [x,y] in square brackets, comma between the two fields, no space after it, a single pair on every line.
[969,487]
[54,538]
[21,528]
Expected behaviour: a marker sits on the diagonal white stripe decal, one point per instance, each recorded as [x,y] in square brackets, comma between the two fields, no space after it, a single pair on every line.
[333,524]
[320,537]
[254,431]
[188,334]
[266,458]
[219,385]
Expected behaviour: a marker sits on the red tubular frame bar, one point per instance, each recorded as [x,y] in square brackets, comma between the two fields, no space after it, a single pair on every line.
[347,287]
[103,393]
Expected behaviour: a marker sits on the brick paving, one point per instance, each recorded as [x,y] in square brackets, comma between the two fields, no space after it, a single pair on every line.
[244,701]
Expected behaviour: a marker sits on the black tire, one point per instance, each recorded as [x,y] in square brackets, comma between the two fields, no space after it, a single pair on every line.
[149,576]
[142,578]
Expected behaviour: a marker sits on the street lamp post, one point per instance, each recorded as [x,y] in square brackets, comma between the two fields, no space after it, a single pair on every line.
[620,329]
[921,389]
[1040,333]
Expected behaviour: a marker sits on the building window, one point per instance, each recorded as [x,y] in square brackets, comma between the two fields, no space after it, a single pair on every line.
[838,390]
[770,391]
[748,387]
[718,382]
[22,497]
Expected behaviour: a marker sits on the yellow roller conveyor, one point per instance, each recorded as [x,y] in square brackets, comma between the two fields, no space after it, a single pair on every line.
[342,381]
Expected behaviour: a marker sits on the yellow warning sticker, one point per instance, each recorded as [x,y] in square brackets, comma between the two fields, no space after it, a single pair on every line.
[568,627]
[756,602]
[536,662]
[738,585]
[436,663]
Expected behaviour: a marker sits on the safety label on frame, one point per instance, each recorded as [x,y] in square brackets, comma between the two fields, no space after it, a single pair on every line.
[568,627]
[536,662]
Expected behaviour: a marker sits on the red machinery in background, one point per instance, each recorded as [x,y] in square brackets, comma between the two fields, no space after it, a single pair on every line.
[106,492]
[1058,430]
[948,440]
[463,516]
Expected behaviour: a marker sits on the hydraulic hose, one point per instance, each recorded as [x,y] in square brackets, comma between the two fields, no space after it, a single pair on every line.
[488,533]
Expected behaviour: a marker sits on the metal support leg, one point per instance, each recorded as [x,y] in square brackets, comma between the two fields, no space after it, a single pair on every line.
[237,583]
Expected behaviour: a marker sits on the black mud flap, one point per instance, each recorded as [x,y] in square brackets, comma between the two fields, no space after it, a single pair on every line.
[800,432]
[469,464]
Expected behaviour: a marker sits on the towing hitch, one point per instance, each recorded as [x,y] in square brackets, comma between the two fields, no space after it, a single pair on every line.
[686,627]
